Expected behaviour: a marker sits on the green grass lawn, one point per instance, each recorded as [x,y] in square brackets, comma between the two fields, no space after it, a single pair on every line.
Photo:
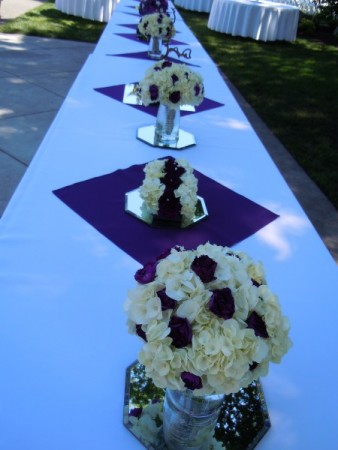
[292,86]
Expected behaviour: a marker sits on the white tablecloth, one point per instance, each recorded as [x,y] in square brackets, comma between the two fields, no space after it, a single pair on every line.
[64,345]
[261,20]
[100,10]
[195,5]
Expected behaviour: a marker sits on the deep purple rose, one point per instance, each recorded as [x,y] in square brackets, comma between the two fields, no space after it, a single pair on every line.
[166,64]
[180,331]
[253,365]
[174,78]
[191,381]
[175,97]
[153,91]
[136,412]
[166,301]
[140,332]
[169,206]
[257,323]
[204,267]
[167,252]
[173,172]
[197,89]
[147,273]
[222,303]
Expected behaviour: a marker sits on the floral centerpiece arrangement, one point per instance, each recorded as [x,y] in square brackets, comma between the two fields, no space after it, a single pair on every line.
[171,84]
[151,6]
[208,320]
[169,190]
[156,25]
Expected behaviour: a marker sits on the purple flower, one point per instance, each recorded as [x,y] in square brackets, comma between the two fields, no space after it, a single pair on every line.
[135,412]
[257,323]
[153,91]
[140,332]
[191,381]
[166,301]
[167,252]
[175,97]
[166,64]
[197,89]
[205,268]
[169,206]
[147,273]
[174,78]
[173,172]
[222,303]
[180,331]
[253,365]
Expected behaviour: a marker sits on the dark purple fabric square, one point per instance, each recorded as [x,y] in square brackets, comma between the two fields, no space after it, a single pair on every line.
[116,92]
[101,202]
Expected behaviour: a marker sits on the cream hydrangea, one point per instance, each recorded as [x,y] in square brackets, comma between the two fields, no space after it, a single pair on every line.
[208,319]
[169,190]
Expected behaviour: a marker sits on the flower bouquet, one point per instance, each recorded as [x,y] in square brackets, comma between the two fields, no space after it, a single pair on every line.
[172,85]
[151,6]
[169,191]
[208,319]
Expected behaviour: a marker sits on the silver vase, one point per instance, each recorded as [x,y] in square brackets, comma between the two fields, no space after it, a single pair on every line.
[189,421]
[167,126]
[155,48]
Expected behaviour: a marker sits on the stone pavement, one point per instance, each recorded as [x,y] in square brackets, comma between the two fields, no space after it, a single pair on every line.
[35,76]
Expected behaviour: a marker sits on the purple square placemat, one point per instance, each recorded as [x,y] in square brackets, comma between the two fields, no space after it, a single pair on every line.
[116,92]
[101,202]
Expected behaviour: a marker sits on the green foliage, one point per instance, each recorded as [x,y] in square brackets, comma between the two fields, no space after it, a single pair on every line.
[307,26]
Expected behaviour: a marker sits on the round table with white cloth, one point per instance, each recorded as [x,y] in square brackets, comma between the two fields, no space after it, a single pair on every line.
[100,10]
[195,5]
[260,20]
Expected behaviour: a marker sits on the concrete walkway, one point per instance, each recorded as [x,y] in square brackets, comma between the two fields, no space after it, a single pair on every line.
[35,76]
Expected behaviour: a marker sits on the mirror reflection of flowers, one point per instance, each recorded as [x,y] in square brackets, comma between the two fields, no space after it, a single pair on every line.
[208,320]
[151,6]
[147,424]
[172,84]
[156,25]
[169,190]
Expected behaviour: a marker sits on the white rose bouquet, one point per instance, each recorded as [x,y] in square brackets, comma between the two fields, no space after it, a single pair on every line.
[169,190]
[171,84]
[156,25]
[208,320]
